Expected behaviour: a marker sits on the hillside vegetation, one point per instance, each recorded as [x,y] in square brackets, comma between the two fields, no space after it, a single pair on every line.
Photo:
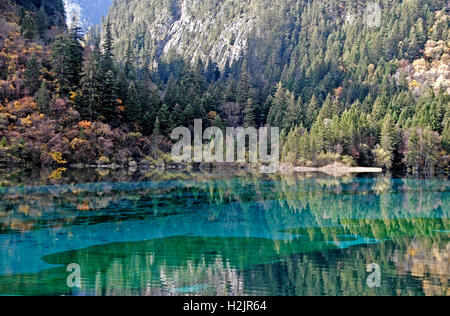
[341,89]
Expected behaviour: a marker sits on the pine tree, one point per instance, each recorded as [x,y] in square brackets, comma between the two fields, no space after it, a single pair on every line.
[41,21]
[385,152]
[312,112]
[446,138]
[108,108]
[133,108]
[389,134]
[231,91]
[43,98]
[148,124]
[293,115]
[278,109]
[32,73]
[91,87]
[177,115]
[189,115]
[164,120]
[157,128]
[67,60]
[108,49]
[219,123]
[28,27]
[249,114]
[171,95]
[245,86]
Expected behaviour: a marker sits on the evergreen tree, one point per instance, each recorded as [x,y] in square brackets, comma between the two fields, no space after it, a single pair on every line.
[189,115]
[28,27]
[164,120]
[245,86]
[278,109]
[294,111]
[312,112]
[385,152]
[43,98]
[41,22]
[148,124]
[91,87]
[157,128]
[219,123]
[108,49]
[32,74]
[67,60]
[133,108]
[249,114]
[109,98]
[177,115]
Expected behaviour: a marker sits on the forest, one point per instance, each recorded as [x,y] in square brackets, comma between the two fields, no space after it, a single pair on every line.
[339,90]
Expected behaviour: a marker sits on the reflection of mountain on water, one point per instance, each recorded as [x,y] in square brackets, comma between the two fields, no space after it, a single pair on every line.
[343,272]
[201,233]
[313,201]
[233,266]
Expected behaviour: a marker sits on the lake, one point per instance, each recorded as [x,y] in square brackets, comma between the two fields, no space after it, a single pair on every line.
[222,234]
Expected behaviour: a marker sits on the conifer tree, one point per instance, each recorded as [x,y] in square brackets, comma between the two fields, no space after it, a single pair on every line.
[164,120]
[293,115]
[108,49]
[67,60]
[249,114]
[91,87]
[177,115]
[41,22]
[278,109]
[219,123]
[32,73]
[385,151]
[28,27]
[133,108]
[43,98]
[148,124]
[109,97]
[245,86]
[189,115]
[157,128]
[312,112]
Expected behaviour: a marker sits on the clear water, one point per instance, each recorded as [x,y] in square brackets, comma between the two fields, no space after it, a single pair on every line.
[197,234]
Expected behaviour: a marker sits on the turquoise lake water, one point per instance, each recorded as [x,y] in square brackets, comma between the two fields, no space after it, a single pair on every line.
[197,234]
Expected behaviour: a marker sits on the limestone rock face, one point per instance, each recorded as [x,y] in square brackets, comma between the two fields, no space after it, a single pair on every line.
[201,29]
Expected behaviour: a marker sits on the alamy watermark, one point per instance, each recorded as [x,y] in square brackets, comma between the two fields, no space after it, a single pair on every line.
[238,145]
[370,15]
[374,278]
[74,278]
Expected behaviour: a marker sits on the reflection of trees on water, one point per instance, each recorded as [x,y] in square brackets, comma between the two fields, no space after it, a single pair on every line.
[282,200]
[412,214]
[343,272]
[174,267]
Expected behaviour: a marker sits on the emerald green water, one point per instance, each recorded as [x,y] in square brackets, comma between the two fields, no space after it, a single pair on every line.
[198,234]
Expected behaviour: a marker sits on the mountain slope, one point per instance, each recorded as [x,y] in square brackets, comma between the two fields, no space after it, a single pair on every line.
[303,43]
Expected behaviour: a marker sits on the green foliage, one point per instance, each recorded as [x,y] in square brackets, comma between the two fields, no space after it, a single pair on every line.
[164,124]
[133,108]
[67,60]
[423,151]
[334,88]
[43,98]
[249,114]
[32,74]
[28,26]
